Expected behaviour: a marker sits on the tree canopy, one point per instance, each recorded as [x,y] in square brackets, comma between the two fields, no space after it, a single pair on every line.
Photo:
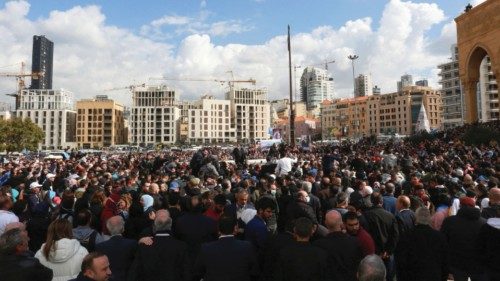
[17,134]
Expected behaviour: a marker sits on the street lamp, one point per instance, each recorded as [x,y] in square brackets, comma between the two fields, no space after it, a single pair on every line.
[353,58]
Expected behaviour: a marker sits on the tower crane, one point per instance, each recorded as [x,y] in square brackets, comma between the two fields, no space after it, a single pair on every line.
[129,87]
[21,85]
[229,82]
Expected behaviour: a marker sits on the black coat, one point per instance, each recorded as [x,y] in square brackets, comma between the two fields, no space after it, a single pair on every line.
[461,233]
[421,254]
[489,246]
[195,229]
[406,221]
[301,261]
[299,209]
[271,252]
[166,259]
[227,259]
[23,268]
[344,255]
[121,253]
[383,228]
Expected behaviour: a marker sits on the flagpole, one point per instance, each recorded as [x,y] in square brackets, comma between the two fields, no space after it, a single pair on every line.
[292,113]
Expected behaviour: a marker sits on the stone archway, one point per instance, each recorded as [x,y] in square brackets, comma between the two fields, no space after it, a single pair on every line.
[478,35]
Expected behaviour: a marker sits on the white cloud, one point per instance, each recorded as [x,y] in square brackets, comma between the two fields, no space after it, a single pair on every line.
[91,55]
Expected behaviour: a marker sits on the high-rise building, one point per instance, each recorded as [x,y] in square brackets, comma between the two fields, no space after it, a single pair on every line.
[487,93]
[423,83]
[250,113]
[406,80]
[315,86]
[394,113]
[42,61]
[209,121]
[53,111]
[154,115]
[451,93]
[100,123]
[376,90]
[363,86]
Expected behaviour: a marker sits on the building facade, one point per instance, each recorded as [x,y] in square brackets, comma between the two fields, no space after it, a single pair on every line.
[184,107]
[305,127]
[53,111]
[154,115]
[406,80]
[209,121]
[394,113]
[250,114]
[487,93]
[100,123]
[423,83]
[42,61]
[315,86]
[451,92]
[363,86]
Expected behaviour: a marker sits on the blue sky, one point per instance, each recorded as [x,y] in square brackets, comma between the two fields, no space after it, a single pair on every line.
[113,43]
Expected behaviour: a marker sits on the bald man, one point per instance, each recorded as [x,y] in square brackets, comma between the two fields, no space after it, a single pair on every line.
[494,204]
[344,251]
[119,250]
[404,216]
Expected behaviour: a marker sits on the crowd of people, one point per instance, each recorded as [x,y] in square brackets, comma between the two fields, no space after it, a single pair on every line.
[351,211]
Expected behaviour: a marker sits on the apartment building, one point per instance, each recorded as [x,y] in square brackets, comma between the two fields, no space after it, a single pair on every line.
[209,121]
[154,115]
[381,114]
[184,107]
[487,95]
[451,92]
[364,86]
[100,123]
[250,113]
[53,111]
[315,86]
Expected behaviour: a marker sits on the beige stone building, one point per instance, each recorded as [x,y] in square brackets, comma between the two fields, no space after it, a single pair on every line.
[210,122]
[250,113]
[394,113]
[185,107]
[100,123]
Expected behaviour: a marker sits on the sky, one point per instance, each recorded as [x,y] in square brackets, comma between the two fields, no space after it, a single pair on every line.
[103,46]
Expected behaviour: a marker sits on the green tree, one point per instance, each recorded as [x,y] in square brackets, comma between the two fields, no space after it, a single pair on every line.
[17,134]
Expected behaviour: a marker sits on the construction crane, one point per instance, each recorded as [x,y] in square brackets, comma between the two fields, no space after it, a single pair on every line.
[229,82]
[21,85]
[129,87]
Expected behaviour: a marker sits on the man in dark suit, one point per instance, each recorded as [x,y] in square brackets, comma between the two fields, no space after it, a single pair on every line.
[194,228]
[421,252]
[404,216]
[166,259]
[119,250]
[301,260]
[227,258]
[383,228]
[344,251]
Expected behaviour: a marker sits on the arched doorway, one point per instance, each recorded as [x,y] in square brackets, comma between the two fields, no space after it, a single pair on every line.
[477,38]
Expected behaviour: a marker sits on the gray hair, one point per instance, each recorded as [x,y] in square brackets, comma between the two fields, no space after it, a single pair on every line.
[371,268]
[115,225]
[423,216]
[163,221]
[9,241]
[307,186]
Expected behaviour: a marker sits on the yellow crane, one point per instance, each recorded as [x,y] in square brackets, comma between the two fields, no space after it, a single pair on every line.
[21,85]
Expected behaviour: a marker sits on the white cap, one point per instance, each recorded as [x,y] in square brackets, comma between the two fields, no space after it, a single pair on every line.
[50,175]
[35,184]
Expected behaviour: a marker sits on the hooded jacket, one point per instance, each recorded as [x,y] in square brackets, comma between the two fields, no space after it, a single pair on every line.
[489,245]
[461,233]
[65,259]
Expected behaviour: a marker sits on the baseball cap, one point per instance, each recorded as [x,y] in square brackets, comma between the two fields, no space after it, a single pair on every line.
[467,201]
[35,184]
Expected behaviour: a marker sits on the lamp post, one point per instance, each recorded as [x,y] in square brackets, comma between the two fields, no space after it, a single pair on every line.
[353,58]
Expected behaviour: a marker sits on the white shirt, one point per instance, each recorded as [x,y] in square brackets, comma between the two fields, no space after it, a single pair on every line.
[284,166]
